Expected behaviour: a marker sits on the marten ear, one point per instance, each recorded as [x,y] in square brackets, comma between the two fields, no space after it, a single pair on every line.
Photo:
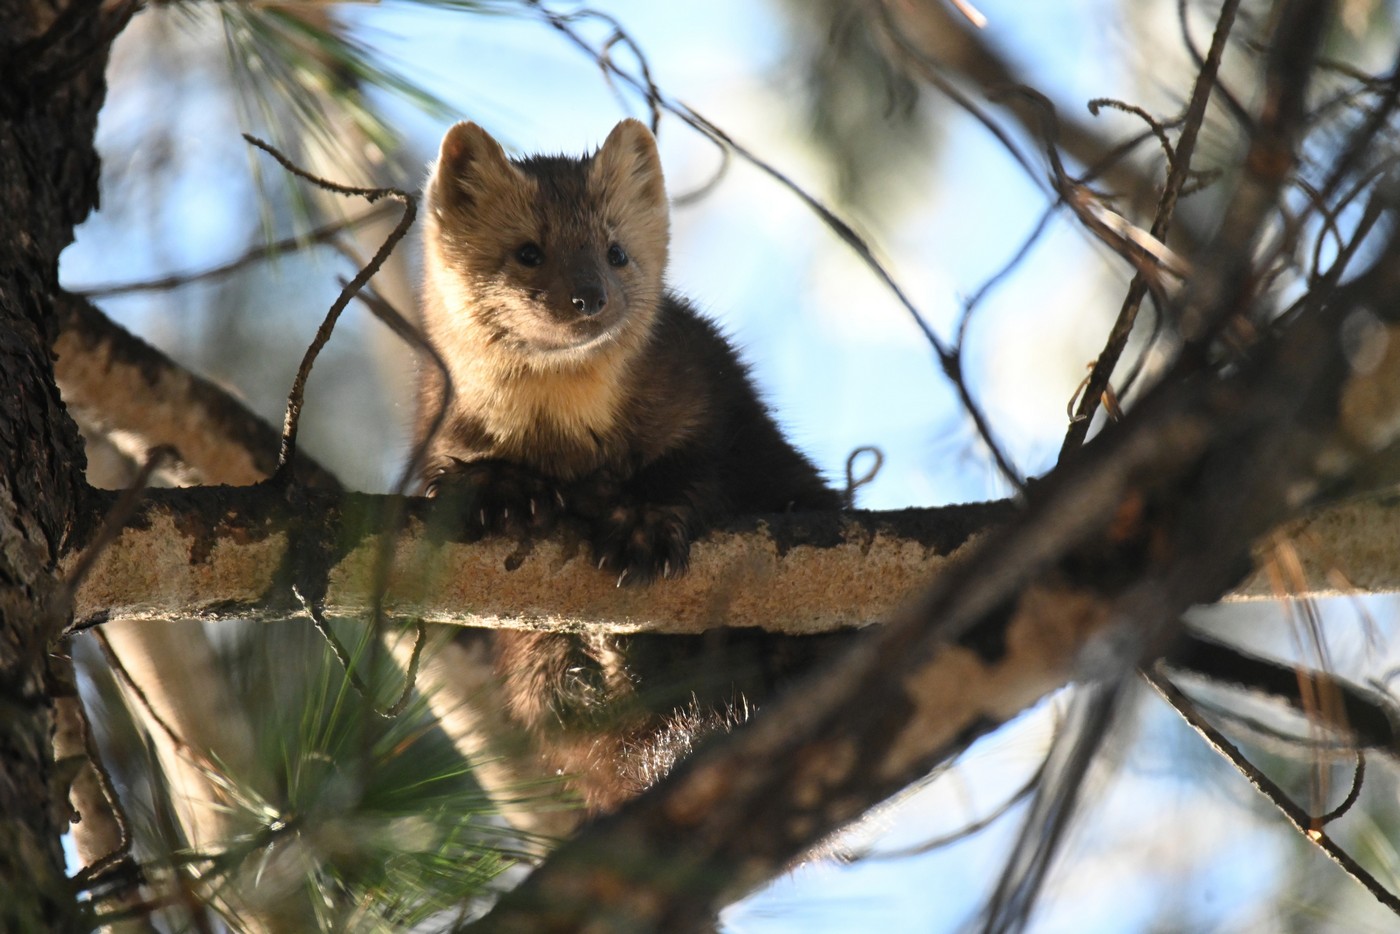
[471,164]
[628,166]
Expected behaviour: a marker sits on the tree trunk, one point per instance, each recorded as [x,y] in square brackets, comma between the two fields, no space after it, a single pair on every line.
[51,85]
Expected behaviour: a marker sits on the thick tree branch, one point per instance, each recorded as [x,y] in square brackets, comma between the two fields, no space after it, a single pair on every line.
[231,553]
[222,552]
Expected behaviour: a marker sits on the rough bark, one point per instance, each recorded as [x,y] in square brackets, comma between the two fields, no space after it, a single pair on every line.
[225,552]
[51,85]
[233,553]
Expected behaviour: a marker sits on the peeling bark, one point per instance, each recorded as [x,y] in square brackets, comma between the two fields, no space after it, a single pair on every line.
[217,553]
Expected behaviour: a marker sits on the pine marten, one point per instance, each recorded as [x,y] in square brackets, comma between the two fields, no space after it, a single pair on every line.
[581,387]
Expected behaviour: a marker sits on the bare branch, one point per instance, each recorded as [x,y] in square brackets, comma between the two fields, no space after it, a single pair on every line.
[323,334]
[1303,822]
[1223,284]
[1180,171]
[101,830]
[323,234]
[1056,799]
[796,573]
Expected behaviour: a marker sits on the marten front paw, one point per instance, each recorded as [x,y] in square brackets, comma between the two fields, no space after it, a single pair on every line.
[496,497]
[643,542]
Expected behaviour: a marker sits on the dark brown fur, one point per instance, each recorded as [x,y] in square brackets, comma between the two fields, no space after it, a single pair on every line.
[579,385]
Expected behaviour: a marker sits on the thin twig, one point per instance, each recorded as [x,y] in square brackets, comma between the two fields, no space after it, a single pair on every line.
[323,334]
[969,829]
[621,37]
[71,710]
[1228,280]
[347,662]
[1358,778]
[290,244]
[1004,273]
[323,626]
[119,669]
[405,331]
[1301,820]
[1148,255]
[410,674]
[699,192]
[1375,122]
[1154,126]
[1277,738]
[1222,91]
[1180,168]
[853,482]
[409,334]
[1057,797]
[932,72]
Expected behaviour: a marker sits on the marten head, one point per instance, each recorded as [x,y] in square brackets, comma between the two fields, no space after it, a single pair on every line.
[549,258]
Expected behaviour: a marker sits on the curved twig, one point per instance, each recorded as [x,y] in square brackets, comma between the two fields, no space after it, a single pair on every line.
[323,234]
[323,334]
[1301,820]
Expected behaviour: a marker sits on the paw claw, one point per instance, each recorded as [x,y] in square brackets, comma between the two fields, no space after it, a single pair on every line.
[649,542]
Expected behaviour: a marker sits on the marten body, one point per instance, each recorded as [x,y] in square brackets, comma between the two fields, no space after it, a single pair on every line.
[578,384]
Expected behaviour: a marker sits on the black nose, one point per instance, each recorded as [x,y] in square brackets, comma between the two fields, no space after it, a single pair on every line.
[588,300]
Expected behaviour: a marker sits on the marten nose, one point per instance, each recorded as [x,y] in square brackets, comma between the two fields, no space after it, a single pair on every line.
[588,300]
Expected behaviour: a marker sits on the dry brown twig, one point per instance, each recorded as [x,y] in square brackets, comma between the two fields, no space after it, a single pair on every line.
[323,334]
[1178,173]
[1307,825]
[323,234]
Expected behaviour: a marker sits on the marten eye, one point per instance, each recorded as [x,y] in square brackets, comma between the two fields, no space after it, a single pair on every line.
[617,256]
[530,255]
